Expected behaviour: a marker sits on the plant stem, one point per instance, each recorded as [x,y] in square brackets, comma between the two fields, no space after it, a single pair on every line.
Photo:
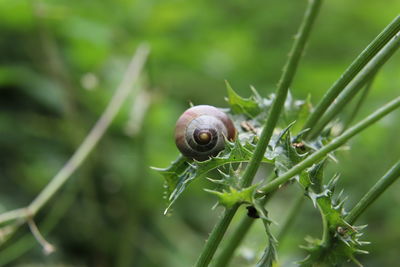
[360,102]
[366,55]
[381,185]
[282,90]
[239,234]
[236,239]
[245,225]
[356,84]
[334,144]
[273,116]
[91,140]
[216,236]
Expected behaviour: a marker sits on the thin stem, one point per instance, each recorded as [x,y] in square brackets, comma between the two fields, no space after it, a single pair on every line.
[360,102]
[13,215]
[273,116]
[91,140]
[244,226]
[381,185]
[334,144]
[358,64]
[282,90]
[326,236]
[357,84]
[47,247]
[239,234]
[122,92]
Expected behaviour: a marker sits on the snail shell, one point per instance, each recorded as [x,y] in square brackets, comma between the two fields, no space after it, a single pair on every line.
[201,131]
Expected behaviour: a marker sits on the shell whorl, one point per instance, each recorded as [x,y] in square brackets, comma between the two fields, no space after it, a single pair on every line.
[201,131]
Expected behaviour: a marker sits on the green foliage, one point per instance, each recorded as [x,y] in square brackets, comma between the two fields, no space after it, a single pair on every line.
[269,256]
[232,196]
[183,171]
[341,241]
[250,107]
[61,62]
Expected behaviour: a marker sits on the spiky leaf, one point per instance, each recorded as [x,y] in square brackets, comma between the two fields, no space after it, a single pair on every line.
[229,198]
[184,171]
[341,241]
[240,105]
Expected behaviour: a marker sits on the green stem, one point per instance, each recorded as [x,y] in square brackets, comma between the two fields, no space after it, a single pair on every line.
[273,116]
[282,90]
[239,234]
[356,85]
[380,187]
[326,236]
[216,236]
[236,239]
[360,102]
[334,144]
[358,64]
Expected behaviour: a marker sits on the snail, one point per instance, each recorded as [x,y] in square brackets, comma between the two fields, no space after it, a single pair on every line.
[201,131]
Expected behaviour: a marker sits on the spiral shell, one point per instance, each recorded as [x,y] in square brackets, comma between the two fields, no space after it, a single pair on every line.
[201,131]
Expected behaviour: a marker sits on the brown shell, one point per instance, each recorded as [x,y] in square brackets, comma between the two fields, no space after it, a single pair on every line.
[200,119]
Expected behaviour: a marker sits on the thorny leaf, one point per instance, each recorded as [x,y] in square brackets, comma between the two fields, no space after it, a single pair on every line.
[343,240]
[286,155]
[248,114]
[296,110]
[183,171]
[239,105]
[270,253]
[228,198]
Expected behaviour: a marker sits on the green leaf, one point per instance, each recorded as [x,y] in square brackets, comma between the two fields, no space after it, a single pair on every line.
[270,253]
[240,105]
[249,115]
[228,198]
[296,110]
[179,166]
[183,171]
[342,240]
[284,154]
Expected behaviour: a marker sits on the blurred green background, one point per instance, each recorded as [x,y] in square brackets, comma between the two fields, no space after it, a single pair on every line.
[61,61]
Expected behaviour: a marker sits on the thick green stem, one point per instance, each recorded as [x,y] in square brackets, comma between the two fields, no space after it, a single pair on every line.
[238,234]
[357,84]
[273,116]
[358,64]
[235,240]
[383,183]
[282,90]
[334,144]
[216,236]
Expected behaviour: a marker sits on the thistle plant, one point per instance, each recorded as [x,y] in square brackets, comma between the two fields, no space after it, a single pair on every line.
[299,141]
[296,138]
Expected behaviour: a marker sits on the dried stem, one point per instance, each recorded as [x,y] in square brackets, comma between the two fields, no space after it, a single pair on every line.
[125,88]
